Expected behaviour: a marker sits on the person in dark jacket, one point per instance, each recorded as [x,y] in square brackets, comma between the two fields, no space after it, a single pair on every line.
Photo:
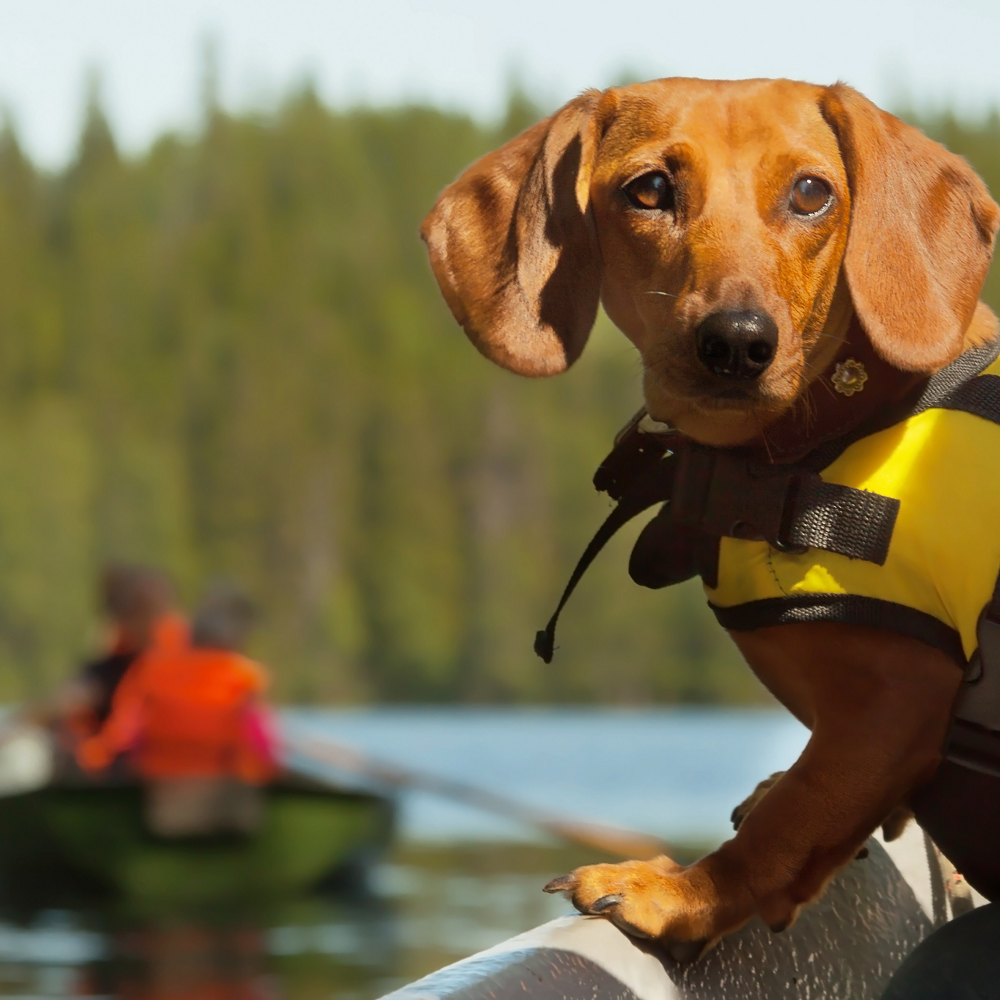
[140,605]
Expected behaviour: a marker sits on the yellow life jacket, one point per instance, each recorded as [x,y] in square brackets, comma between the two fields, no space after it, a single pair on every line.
[943,466]
[893,526]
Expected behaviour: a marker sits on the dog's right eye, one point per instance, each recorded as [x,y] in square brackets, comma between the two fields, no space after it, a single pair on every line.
[651,191]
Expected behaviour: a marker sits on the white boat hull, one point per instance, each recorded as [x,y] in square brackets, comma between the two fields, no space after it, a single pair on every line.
[846,945]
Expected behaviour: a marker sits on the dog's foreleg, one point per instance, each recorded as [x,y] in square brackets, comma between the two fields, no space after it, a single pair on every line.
[878,705]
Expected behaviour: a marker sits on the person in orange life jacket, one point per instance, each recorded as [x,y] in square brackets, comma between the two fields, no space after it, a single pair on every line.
[195,711]
[140,605]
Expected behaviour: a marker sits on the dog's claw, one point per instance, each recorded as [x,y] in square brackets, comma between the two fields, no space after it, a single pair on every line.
[605,902]
[630,929]
[560,884]
[685,951]
[610,902]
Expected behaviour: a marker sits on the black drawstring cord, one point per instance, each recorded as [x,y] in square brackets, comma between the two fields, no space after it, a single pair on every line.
[654,487]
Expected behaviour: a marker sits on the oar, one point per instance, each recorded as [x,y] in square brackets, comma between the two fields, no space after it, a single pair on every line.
[611,840]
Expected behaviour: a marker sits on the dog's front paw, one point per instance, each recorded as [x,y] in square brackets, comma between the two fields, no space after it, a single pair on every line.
[646,899]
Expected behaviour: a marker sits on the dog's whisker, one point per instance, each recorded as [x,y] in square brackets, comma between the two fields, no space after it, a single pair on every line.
[821,381]
[767,445]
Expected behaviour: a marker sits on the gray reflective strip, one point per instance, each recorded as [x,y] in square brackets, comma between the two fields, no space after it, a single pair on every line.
[855,523]
[979,396]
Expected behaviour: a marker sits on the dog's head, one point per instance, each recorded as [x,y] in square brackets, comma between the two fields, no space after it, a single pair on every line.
[729,228]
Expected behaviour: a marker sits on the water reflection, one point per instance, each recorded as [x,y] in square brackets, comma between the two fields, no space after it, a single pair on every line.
[674,773]
[423,907]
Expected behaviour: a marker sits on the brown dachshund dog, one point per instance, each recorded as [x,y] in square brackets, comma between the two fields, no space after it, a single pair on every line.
[842,231]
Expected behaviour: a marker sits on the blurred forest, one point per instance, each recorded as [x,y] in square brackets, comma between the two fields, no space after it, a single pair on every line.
[227,357]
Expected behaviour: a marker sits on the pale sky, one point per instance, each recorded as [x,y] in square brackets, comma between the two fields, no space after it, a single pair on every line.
[463,53]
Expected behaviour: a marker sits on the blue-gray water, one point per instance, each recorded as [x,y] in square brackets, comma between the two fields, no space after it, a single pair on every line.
[673,772]
[458,881]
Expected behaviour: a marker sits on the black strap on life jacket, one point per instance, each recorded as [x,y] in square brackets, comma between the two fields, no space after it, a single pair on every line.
[711,493]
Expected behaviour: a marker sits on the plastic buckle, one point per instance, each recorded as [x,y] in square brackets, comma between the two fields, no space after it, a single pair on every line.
[974,736]
[978,698]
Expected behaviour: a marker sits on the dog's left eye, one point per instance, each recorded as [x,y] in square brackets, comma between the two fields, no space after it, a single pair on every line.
[651,191]
[810,196]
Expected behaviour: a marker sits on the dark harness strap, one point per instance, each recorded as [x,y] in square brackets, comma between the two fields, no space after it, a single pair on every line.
[842,519]
[728,494]
[653,486]
[707,494]
[979,396]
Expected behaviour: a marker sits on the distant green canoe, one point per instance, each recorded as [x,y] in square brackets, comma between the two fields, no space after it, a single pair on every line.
[310,833]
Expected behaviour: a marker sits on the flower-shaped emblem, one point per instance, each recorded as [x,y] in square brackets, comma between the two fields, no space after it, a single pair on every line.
[849,377]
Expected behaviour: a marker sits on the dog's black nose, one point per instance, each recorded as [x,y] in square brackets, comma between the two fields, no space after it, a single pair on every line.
[737,344]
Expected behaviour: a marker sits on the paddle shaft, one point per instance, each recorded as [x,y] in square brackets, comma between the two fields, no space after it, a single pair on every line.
[622,843]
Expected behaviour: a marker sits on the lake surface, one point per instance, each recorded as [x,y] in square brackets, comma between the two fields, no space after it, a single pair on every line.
[673,772]
[458,881]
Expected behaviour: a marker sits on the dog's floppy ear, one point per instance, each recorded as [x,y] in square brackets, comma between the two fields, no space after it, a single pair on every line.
[921,233]
[513,247]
